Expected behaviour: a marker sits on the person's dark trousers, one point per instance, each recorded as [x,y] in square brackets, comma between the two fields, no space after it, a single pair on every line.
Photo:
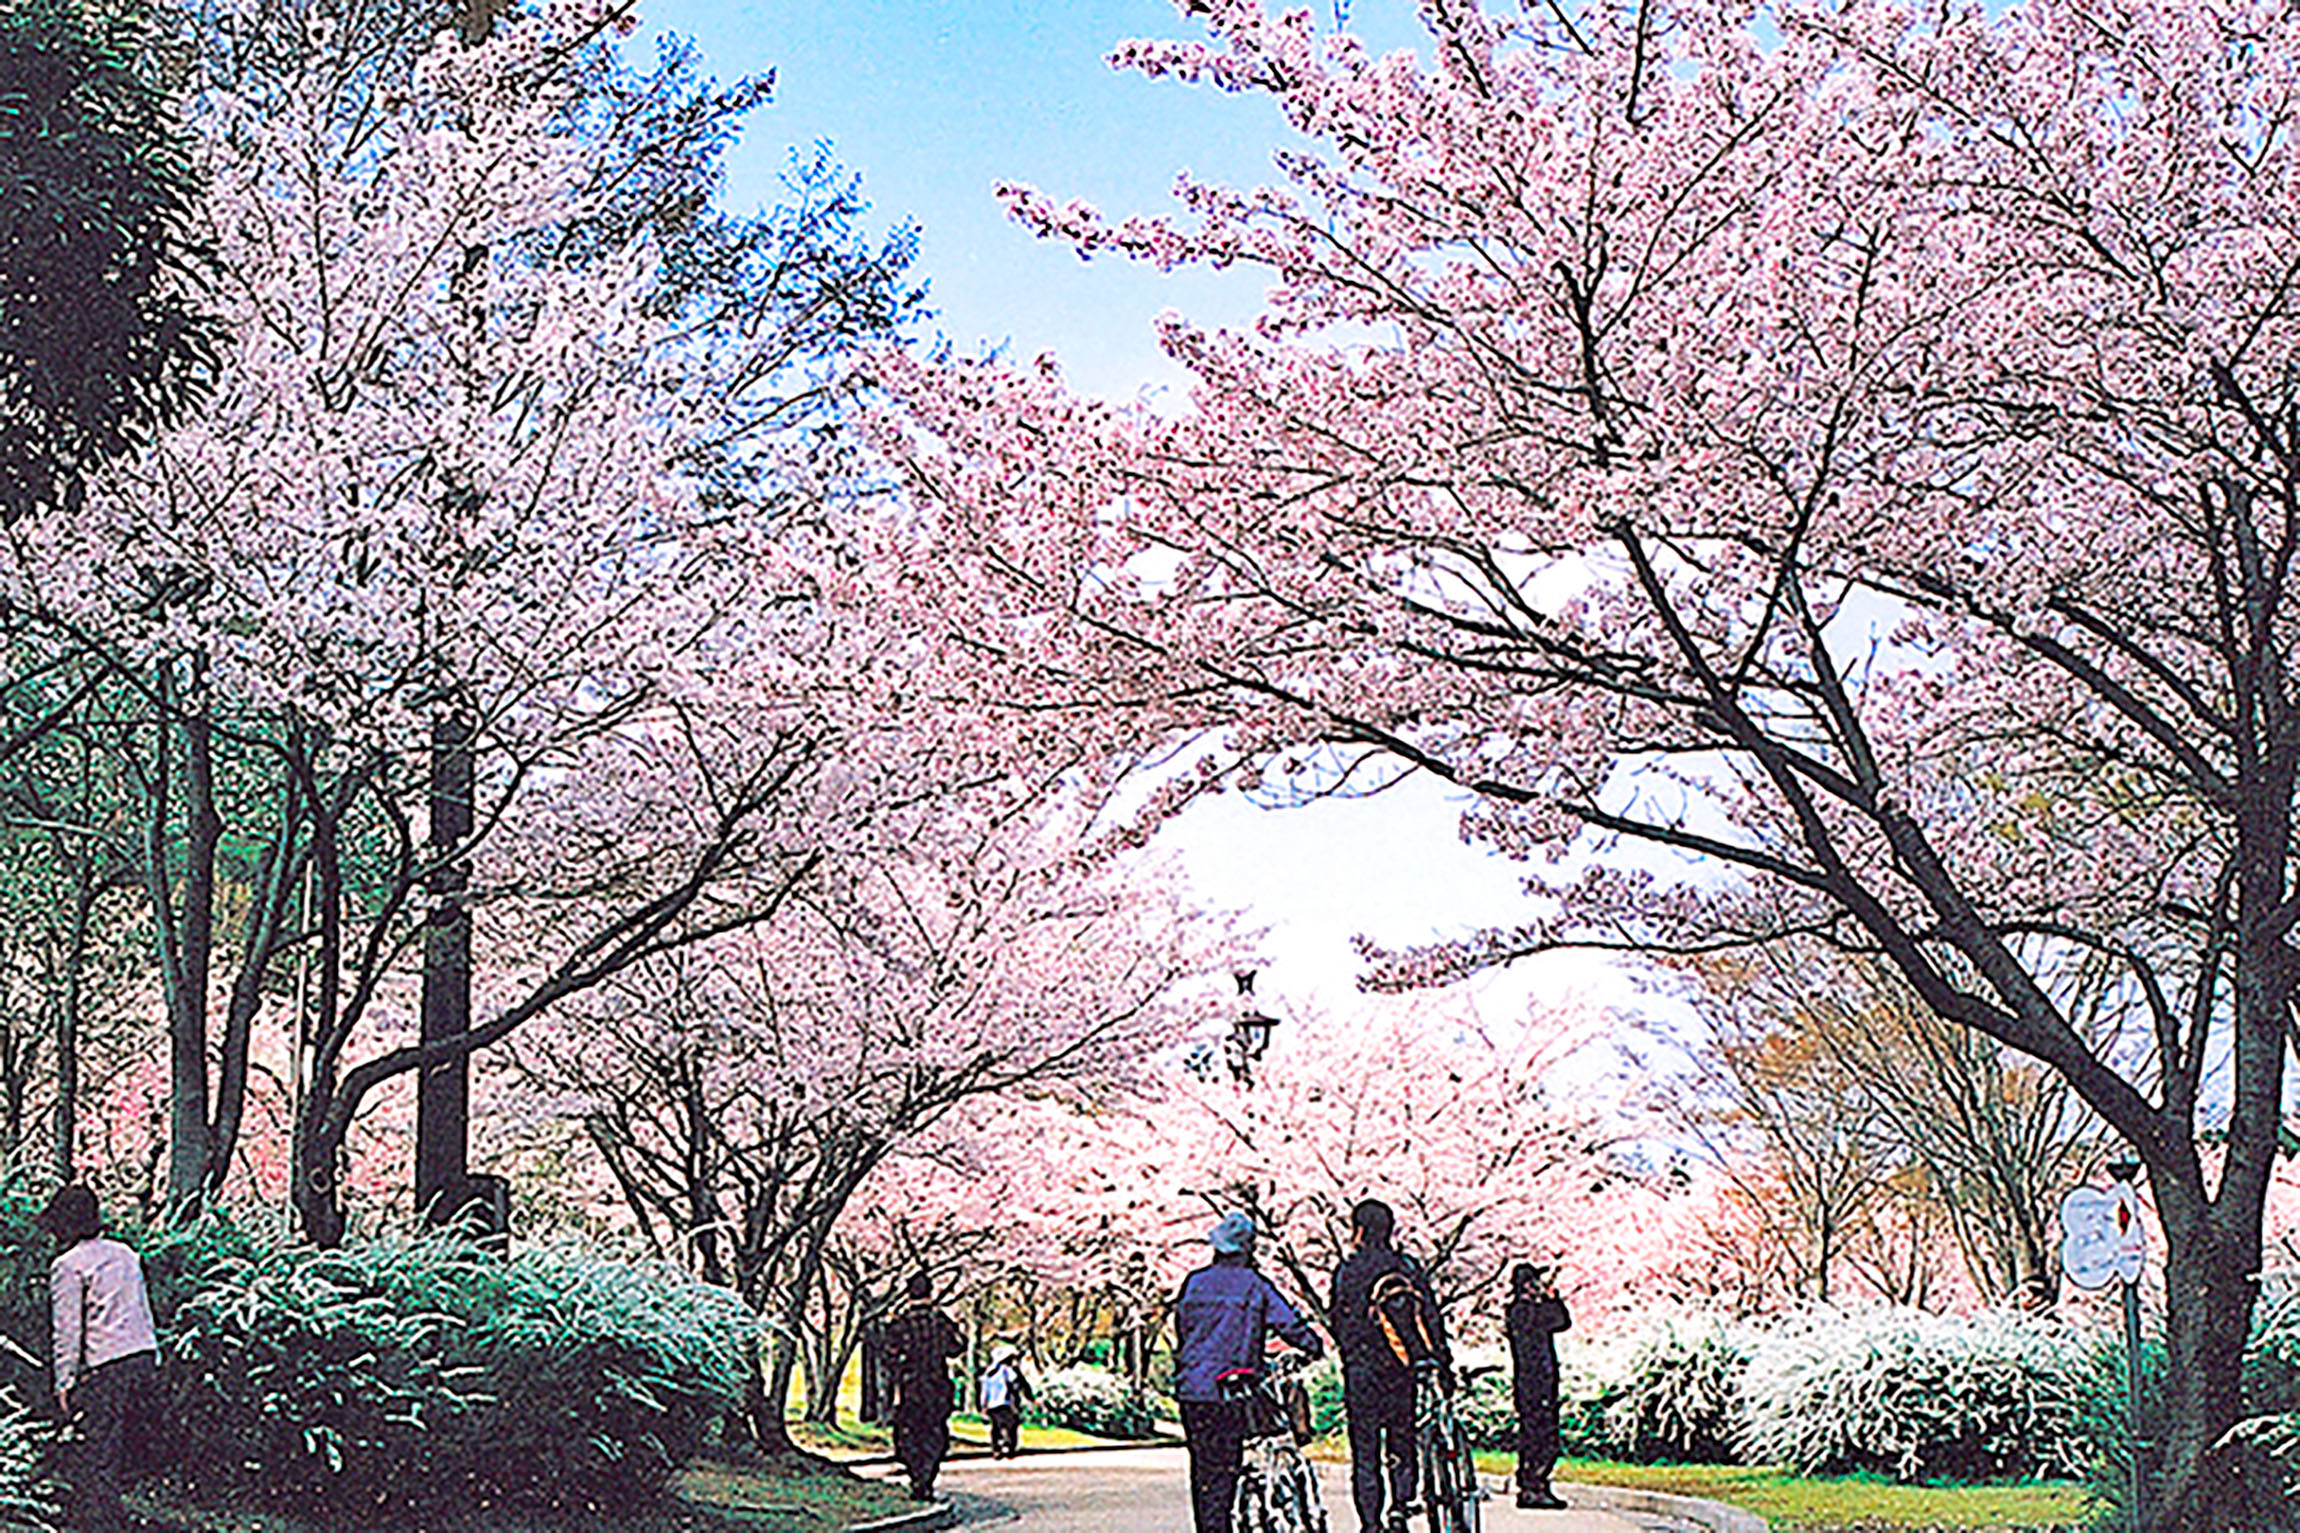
[105,1401]
[921,1442]
[1216,1433]
[1381,1418]
[1537,1442]
[1005,1431]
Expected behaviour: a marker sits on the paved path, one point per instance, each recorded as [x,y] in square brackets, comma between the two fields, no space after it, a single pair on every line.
[1147,1490]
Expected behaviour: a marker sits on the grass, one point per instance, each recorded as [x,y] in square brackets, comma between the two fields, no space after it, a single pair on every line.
[789,1496]
[1855,1504]
[821,1497]
[851,1439]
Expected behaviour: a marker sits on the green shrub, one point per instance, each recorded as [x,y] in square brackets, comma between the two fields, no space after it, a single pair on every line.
[1488,1410]
[1092,1400]
[1667,1392]
[28,1499]
[1323,1379]
[408,1372]
[604,1375]
[433,1372]
[25,1252]
[1918,1397]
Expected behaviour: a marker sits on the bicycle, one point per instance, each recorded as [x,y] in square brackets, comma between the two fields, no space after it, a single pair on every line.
[1277,1490]
[1448,1469]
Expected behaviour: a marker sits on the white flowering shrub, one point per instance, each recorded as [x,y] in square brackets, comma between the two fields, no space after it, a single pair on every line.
[1091,1400]
[1668,1391]
[1917,1396]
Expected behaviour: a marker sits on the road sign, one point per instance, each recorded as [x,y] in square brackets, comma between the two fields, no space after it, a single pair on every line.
[2102,1238]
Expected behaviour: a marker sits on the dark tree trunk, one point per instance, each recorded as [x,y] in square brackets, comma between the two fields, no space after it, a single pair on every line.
[260,938]
[873,1371]
[773,1431]
[313,1157]
[2190,1485]
[67,1132]
[183,911]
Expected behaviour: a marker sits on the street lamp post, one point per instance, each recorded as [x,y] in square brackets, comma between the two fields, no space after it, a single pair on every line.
[1249,1036]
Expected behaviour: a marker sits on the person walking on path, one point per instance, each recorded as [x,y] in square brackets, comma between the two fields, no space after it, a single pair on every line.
[1005,1391]
[107,1356]
[1533,1317]
[920,1342]
[1378,1384]
[1220,1318]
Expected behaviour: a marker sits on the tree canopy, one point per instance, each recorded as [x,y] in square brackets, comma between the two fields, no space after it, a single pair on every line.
[1851,449]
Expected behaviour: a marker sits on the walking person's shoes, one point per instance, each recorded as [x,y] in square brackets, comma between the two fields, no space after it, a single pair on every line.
[1539,1501]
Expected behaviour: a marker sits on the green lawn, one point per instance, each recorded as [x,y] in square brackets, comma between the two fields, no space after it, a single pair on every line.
[793,1496]
[1852,1505]
[852,1439]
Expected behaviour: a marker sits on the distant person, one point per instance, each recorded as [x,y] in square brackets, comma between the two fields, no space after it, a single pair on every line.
[1533,1318]
[1220,1319]
[1378,1364]
[919,1343]
[107,1357]
[1005,1391]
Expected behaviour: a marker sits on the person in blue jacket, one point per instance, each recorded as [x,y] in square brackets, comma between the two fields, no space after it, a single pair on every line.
[1220,1318]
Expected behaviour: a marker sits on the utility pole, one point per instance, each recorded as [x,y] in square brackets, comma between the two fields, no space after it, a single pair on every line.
[443,1088]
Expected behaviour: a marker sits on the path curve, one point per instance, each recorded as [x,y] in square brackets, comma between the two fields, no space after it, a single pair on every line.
[1147,1490]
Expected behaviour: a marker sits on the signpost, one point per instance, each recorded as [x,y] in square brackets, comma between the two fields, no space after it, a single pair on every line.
[2102,1242]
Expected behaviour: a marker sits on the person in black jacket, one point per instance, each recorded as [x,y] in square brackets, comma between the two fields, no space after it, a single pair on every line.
[1377,1384]
[1533,1318]
[920,1342]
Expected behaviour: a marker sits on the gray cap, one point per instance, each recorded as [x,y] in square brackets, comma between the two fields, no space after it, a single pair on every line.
[1234,1236]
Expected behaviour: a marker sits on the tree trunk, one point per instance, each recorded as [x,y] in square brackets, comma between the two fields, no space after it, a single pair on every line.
[267,915]
[312,1155]
[186,938]
[2189,1484]
[873,1375]
[67,1135]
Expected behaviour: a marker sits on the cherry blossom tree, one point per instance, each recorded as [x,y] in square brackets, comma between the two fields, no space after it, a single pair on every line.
[933,1207]
[556,489]
[1847,447]
[1465,1132]
[742,1092]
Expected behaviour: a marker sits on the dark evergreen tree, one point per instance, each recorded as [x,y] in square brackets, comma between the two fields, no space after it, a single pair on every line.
[99,340]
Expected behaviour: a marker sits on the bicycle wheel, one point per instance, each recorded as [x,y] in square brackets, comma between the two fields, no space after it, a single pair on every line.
[1250,1503]
[1449,1479]
[1438,1502]
[1301,1508]
[1472,1494]
[1468,1494]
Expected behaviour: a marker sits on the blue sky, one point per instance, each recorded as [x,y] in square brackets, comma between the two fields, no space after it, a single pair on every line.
[935,102]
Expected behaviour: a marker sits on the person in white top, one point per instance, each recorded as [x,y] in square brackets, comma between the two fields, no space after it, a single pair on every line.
[1005,1391]
[106,1352]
